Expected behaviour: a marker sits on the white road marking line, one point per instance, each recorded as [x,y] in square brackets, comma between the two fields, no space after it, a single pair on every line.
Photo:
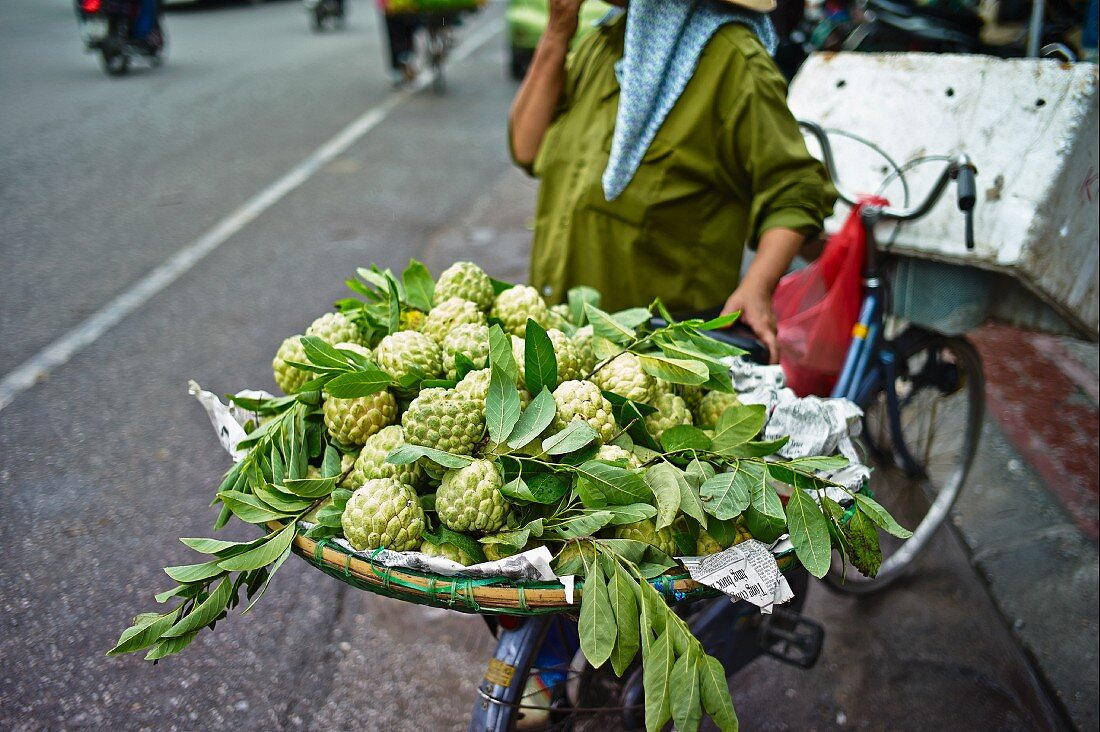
[58,353]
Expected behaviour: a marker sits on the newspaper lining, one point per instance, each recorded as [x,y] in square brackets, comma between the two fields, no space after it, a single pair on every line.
[747,571]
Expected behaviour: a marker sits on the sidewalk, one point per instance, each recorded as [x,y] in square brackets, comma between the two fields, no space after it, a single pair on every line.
[1029,511]
[1028,514]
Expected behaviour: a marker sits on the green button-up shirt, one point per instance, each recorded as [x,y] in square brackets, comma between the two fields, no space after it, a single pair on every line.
[728,164]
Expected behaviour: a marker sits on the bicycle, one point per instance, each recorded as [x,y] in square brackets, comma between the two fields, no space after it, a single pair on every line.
[537,679]
[909,386]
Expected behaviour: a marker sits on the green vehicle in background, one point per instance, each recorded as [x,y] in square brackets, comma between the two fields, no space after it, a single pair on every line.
[527,20]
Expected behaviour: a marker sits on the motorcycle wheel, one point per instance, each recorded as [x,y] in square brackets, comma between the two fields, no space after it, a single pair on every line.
[317,19]
[115,63]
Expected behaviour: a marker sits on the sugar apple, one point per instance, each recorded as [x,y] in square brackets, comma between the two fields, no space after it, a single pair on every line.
[567,558]
[444,419]
[466,281]
[706,544]
[352,421]
[469,499]
[624,376]
[334,328]
[476,386]
[371,461]
[614,453]
[671,411]
[691,395]
[583,400]
[469,339]
[448,315]
[515,305]
[412,320]
[448,551]
[496,552]
[711,407]
[383,512]
[560,317]
[290,378]
[646,531]
[582,343]
[407,354]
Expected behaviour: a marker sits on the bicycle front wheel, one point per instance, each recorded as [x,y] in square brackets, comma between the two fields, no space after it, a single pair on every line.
[920,461]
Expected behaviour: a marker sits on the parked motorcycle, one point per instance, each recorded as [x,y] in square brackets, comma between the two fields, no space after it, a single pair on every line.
[106,27]
[325,12]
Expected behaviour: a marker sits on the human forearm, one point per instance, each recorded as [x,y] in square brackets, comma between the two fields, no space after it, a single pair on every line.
[775,251]
[537,99]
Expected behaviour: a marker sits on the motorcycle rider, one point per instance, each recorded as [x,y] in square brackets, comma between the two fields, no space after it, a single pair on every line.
[146,24]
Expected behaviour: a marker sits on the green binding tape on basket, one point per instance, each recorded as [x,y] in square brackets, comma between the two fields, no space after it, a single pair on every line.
[319,550]
[522,596]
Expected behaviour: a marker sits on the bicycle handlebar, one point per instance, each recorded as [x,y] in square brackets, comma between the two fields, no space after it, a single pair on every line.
[959,168]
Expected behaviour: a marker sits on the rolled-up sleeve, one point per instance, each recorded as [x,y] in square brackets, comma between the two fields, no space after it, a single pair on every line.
[764,157]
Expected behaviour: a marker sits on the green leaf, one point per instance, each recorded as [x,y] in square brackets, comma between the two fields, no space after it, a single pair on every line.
[597,622]
[514,539]
[144,633]
[738,425]
[187,591]
[721,322]
[323,355]
[250,509]
[310,487]
[685,693]
[267,581]
[168,646]
[809,533]
[500,353]
[419,286]
[765,515]
[470,546]
[586,524]
[578,296]
[500,286]
[632,317]
[358,384]
[819,462]
[699,472]
[835,515]
[716,693]
[657,664]
[757,449]
[621,589]
[573,437]
[204,614]
[534,420]
[607,327]
[726,495]
[280,501]
[690,503]
[544,488]
[463,366]
[619,486]
[393,323]
[330,516]
[216,546]
[407,454]
[262,555]
[540,364]
[862,536]
[502,405]
[332,463]
[881,516]
[186,573]
[631,513]
[662,481]
[796,477]
[675,370]
[685,437]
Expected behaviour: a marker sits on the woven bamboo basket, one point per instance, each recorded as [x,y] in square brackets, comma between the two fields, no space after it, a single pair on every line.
[492,596]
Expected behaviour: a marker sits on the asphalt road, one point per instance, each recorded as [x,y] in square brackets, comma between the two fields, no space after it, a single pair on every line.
[105,460]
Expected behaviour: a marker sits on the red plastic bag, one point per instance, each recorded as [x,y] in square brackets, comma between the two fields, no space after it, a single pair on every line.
[816,308]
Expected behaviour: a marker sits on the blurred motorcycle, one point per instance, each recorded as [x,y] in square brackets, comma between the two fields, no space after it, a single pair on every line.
[107,28]
[325,12]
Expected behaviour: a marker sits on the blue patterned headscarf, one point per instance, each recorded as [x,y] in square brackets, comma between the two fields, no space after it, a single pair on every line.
[664,39]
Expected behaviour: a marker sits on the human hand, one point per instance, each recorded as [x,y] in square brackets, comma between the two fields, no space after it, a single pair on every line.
[564,17]
[755,305]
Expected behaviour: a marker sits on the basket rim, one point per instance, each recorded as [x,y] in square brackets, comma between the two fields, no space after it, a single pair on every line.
[493,595]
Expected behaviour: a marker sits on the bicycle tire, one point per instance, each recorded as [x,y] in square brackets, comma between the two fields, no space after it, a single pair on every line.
[931,369]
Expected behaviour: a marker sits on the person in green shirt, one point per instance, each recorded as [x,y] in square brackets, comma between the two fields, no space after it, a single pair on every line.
[664,145]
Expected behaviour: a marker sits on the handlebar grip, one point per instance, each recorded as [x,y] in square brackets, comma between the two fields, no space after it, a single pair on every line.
[967,189]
